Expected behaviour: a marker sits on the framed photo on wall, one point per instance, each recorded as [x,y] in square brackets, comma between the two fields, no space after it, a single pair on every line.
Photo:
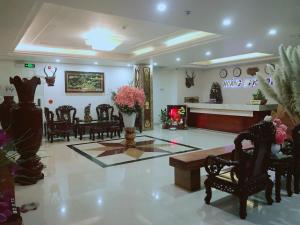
[84,82]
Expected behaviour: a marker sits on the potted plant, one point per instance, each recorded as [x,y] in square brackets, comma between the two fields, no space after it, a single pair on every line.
[129,101]
[258,98]
[164,118]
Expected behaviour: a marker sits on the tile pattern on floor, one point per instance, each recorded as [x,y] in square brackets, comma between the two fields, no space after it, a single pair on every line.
[114,152]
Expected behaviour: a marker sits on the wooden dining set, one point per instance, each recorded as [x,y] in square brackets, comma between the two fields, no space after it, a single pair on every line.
[64,123]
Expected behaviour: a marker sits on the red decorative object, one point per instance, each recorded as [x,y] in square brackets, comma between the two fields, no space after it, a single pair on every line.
[27,131]
[5,108]
[177,115]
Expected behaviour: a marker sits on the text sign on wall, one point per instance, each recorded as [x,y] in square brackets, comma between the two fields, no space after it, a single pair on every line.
[244,83]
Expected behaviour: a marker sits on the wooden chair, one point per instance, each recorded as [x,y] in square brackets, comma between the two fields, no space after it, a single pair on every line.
[109,122]
[56,127]
[247,173]
[296,143]
[67,114]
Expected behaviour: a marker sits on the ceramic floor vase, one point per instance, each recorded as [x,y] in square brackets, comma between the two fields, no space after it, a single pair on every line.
[129,124]
[27,131]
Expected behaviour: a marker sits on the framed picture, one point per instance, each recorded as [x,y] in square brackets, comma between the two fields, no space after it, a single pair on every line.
[84,82]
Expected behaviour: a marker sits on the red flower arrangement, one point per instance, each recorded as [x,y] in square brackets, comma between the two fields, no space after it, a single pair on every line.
[129,99]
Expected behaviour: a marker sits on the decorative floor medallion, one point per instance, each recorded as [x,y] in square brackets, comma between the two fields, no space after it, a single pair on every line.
[113,152]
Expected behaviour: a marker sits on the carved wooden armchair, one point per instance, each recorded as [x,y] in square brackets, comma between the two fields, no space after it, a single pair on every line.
[67,114]
[56,127]
[105,112]
[296,142]
[246,174]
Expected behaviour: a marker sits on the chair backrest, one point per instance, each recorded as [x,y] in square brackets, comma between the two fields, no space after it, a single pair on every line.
[296,142]
[66,113]
[254,164]
[105,112]
[49,115]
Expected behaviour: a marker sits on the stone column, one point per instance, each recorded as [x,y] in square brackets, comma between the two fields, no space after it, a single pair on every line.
[143,74]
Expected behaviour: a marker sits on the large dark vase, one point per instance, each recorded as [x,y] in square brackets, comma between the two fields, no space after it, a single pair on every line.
[26,125]
[5,115]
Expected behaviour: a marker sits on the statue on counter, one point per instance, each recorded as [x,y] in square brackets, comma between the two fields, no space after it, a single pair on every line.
[87,113]
[216,93]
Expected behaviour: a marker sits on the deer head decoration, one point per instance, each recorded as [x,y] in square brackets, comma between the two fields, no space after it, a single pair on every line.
[50,79]
[189,79]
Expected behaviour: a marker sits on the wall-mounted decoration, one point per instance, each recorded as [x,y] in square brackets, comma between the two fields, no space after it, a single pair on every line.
[50,74]
[177,115]
[246,83]
[189,79]
[84,82]
[223,73]
[269,68]
[252,71]
[192,99]
[237,71]
[215,95]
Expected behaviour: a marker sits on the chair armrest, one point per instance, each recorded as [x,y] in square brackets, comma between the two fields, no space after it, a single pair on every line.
[214,164]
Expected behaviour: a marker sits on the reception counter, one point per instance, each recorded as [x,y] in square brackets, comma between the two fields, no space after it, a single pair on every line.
[226,117]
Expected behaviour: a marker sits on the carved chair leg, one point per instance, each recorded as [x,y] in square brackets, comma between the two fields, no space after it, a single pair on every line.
[68,137]
[289,183]
[243,206]
[277,185]
[268,192]
[296,180]
[119,133]
[208,191]
[51,138]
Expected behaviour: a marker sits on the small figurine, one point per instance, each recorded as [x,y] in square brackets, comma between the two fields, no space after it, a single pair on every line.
[87,113]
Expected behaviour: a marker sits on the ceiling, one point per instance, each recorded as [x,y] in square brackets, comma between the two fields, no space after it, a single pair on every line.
[60,23]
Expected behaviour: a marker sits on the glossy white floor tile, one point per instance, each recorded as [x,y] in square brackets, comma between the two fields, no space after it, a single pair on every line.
[76,191]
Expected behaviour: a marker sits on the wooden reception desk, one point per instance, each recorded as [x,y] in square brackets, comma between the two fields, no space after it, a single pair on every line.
[226,117]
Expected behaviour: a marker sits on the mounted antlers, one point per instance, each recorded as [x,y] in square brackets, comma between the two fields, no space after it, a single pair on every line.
[50,80]
[189,80]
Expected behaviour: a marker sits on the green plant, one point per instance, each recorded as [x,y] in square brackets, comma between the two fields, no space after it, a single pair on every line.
[258,95]
[164,118]
[286,76]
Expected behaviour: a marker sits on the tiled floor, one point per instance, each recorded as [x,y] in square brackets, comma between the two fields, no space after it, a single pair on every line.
[77,191]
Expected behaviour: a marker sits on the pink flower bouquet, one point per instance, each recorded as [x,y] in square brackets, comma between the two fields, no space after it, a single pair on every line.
[129,99]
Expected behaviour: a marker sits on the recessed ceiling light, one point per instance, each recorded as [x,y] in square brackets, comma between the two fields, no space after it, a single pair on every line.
[191,36]
[226,22]
[96,63]
[155,64]
[63,51]
[178,59]
[57,60]
[143,51]
[272,32]
[161,7]
[233,58]
[208,53]
[129,65]
[249,45]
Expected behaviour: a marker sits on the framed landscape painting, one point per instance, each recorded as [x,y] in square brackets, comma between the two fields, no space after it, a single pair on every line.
[84,82]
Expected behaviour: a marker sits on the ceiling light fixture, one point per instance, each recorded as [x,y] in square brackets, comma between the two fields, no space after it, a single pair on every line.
[161,7]
[96,63]
[155,64]
[102,39]
[249,45]
[178,59]
[191,36]
[233,58]
[63,51]
[142,51]
[227,22]
[208,53]
[129,65]
[57,60]
[272,32]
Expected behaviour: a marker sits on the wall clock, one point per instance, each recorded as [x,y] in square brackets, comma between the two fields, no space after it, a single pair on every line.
[237,71]
[268,71]
[223,73]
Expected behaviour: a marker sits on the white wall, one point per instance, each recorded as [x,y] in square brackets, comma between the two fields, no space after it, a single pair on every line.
[114,78]
[230,95]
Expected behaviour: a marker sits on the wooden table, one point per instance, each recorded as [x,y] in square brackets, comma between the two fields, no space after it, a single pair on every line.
[187,166]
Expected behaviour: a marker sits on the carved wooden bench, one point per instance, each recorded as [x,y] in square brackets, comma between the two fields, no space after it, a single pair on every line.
[187,166]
